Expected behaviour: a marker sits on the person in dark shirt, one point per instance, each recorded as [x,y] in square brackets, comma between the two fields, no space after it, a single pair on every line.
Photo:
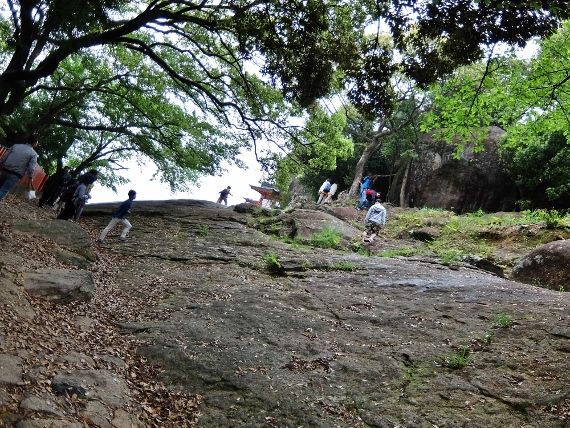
[119,216]
[54,186]
[224,195]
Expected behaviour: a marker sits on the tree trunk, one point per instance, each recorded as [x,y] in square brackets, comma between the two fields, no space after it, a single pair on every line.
[369,150]
[404,184]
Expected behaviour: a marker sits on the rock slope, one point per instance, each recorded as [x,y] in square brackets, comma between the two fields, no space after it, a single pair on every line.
[335,339]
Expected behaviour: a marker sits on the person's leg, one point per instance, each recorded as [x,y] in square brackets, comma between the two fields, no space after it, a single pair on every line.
[78,209]
[126,228]
[109,227]
[10,181]
[226,200]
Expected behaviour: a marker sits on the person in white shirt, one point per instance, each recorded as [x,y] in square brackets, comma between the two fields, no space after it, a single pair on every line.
[324,190]
[332,192]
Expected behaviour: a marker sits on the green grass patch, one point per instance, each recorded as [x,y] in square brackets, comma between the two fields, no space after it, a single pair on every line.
[326,238]
[503,321]
[458,359]
[273,263]
[396,252]
[345,266]
[203,230]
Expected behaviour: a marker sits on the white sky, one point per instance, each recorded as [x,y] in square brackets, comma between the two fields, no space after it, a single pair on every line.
[207,189]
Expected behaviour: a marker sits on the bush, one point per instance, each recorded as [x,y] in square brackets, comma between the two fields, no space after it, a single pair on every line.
[327,238]
[273,264]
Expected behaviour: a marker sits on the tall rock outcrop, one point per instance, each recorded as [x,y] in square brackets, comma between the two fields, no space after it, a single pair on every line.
[477,180]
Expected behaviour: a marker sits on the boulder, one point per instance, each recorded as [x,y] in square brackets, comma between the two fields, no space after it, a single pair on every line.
[425,234]
[66,234]
[99,385]
[45,405]
[484,264]
[10,370]
[304,224]
[546,266]
[61,285]
[439,179]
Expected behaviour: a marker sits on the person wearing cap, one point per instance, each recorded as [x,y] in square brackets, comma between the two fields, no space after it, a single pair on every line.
[119,216]
[20,160]
[375,220]
[224,195]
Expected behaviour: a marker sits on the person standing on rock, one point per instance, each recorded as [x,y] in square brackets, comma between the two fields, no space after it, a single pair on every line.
[119,216]
[374,221]
[224,195]
[324,190]
[365,184]
[332,192]
[20,159]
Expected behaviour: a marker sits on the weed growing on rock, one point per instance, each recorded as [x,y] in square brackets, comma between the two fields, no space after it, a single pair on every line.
[273,264]
[345,266]
[327,238]
[488,338]
[203,230]
[458,359]
[503,321]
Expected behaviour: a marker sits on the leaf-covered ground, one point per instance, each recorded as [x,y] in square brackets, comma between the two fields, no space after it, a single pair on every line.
[188,314]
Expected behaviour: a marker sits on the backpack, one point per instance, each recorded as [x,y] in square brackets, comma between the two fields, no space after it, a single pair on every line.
[370,194]
[327,187]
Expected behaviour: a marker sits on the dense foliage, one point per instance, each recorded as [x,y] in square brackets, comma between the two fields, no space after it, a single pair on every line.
[530,100]
[185,84]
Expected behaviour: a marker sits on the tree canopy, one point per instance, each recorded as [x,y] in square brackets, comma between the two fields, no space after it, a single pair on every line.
[528,98]
[186,83]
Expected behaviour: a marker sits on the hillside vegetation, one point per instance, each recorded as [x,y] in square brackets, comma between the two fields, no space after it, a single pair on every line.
[499,237]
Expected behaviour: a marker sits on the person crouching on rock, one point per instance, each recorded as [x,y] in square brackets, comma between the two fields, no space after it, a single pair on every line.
[374,221]
[118,216]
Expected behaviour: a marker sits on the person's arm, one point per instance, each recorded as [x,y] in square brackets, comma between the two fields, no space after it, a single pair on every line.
[32,164]
[368,214]
[3,158]
[383,216]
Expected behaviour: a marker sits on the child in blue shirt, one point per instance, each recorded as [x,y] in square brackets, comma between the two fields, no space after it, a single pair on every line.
[119,217]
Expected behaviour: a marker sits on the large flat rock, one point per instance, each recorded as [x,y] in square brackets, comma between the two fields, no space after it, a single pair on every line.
[61,285]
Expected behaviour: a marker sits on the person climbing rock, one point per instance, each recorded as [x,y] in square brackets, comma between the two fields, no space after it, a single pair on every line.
[374,221]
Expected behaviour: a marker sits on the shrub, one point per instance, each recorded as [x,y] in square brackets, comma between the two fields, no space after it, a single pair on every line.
[273,264]
[503,320]
[458,359]
[326,238]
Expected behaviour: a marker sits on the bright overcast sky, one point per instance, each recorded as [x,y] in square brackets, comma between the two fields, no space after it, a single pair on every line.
[207,189]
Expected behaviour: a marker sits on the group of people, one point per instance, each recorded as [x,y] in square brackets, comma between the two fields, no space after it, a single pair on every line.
[70,194]
[326,191]
[369,199]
